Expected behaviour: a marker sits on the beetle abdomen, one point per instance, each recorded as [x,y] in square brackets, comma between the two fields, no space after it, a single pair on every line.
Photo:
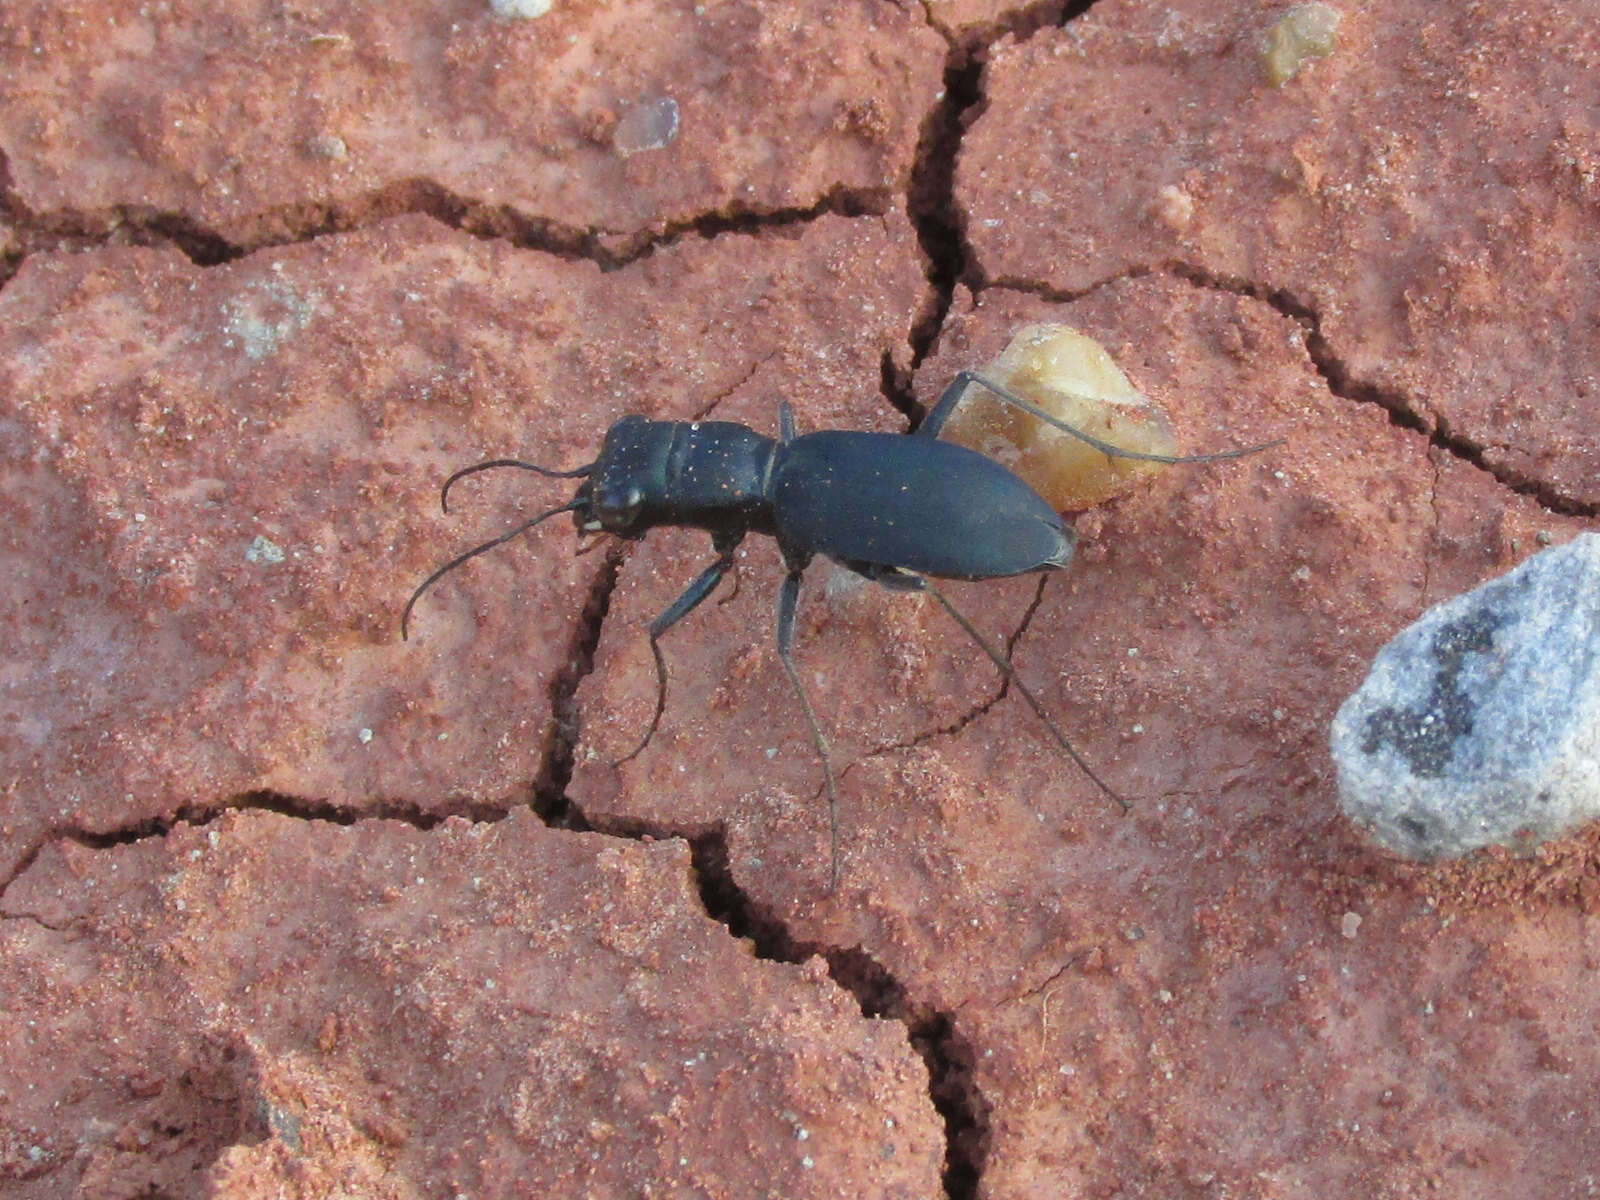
[917,503]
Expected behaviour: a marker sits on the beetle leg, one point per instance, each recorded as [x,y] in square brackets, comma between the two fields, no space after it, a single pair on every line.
[935,421]
[733,595]
[788,595]
[703,586]
[1010,672]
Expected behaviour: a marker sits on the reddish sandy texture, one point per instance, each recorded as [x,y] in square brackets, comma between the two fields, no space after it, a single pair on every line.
[163,420]
[1163,1003]
[485,1009]
[971,21]
[1429,191]
[219,485]
[249,120]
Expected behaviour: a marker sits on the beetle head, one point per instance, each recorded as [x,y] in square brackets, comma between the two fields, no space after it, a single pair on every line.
[627,481]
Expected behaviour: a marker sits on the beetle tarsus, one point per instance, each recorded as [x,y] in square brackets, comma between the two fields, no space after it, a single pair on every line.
[661,706]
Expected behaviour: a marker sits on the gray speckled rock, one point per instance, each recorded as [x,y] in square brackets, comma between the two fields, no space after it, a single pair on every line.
[1480,723]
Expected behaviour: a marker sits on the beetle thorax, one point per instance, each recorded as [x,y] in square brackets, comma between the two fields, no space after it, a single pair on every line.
[708,474]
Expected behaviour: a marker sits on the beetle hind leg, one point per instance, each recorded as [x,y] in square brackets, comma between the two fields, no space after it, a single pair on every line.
[935,421]
[1003,662]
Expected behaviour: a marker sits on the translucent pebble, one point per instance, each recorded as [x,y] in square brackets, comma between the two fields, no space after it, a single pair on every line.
[648,125]
[1070,376]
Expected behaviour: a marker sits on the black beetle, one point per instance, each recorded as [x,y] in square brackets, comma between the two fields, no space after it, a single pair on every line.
[894,508]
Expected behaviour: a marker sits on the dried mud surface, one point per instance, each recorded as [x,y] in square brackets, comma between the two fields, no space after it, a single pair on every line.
[291,906]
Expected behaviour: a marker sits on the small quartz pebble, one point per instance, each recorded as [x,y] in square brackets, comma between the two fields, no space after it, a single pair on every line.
[1480,723]
[1072,377]
[329,146]
[263,549]
[648,125]
[520,10]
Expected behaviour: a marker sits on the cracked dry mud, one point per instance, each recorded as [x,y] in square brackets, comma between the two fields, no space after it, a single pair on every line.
[294,908]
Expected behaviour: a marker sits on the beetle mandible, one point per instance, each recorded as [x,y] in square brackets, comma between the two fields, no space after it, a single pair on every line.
[895,508]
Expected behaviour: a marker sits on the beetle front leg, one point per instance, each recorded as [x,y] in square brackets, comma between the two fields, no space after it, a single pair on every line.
[705,583]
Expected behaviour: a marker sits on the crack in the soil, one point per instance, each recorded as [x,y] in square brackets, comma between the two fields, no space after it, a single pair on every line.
[933,1034]
[739,219]
[144,225]
[704,412]
[35,919]
[931,196]
[126,225]
[895,385]
[1403,413]
[1432,539]
[946,1053]
[931,203]
[550,800]
[297,807]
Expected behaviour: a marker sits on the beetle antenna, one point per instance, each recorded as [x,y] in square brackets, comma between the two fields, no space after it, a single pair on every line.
[444,492]
[1105,447]
[405,613]
[1010,672]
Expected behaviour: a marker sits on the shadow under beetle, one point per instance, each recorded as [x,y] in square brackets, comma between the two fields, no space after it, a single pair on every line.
[895,508]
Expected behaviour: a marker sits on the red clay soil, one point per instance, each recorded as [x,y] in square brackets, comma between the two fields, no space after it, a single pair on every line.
[292,907]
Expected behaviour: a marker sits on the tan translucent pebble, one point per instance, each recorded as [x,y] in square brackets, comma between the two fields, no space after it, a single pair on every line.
[1070,376]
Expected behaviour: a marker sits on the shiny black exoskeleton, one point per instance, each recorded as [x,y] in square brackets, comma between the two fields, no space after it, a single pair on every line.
[895,508]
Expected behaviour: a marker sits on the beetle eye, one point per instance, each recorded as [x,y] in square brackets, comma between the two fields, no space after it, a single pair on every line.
[617,508]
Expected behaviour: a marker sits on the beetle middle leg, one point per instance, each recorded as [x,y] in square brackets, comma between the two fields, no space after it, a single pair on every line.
[704,584]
